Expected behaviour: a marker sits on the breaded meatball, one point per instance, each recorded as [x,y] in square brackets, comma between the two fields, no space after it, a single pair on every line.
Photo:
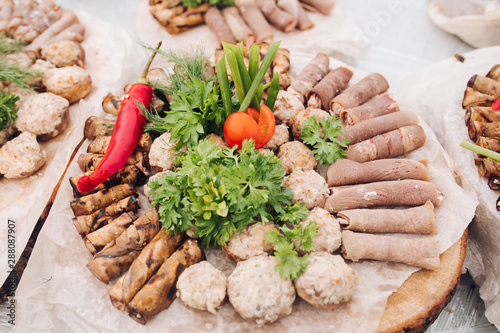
[202,287]
[163,154]
[64,53]
[287,105]
[257,292]
[250,242]
[146,188]
[295,155]
[217,140]
[44,115]
[329,234]
[327,281]
[21,156]
[299,118]
[308,187]
[72,82]
[281,135]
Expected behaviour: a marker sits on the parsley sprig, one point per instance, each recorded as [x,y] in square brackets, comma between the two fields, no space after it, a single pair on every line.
[7,109]
[194,3]
[322,134]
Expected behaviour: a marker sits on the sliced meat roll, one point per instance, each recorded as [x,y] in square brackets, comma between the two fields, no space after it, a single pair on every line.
[257,22]
[6,9]
[377,106]
[217,23]
[281,19]
[311,74]
[330,86]
[241,31]
[322,6]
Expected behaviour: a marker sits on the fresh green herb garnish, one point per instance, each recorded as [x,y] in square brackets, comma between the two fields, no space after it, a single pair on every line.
[10,45]
[194,3]
[220,191]
[322,134]
[480,150]
[16,74]
[291,266]
[7,109]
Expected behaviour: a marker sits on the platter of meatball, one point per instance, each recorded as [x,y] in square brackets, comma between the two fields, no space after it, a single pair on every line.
[175,238]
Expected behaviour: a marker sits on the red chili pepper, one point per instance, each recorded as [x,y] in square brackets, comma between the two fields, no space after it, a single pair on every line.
[252,124]
[126,133]
[496,105]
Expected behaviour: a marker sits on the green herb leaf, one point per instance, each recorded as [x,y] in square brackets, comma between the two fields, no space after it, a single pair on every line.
[7,109]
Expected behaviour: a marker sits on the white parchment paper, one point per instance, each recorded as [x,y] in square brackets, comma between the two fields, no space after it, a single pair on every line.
[441,88]
[335,33]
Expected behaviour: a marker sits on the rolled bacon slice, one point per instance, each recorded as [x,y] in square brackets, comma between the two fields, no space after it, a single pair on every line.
[98,239]
[494,73]
[388,145]
[489,143]
[475,98]
[188,19]
[357,94]
[6,9]
[257,22]
[117,256]
[371,127]
[481,113]
[311,74]
[484,85]
[419,251]
[216,22]
[347,172]
[322,6]
[377,106]
[330,86]
[414,220]
[90,203]
[241,31]
[407,192]
[159,292]
[281,19]
[480,128]
[281,65]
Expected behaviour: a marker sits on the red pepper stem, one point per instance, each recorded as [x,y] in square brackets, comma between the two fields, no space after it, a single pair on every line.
[144,75]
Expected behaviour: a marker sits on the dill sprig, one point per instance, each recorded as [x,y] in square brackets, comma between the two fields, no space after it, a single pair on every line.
[17,74]
[7,109]
[9,45]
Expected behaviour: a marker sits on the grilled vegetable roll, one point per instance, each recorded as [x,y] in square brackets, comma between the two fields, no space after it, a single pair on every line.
[357,94]
[422,251]
[489,143]
[6,9]
[163,13]
[218,25]
[281,65]
[377,106]
[241,31]
[322,6]
[347,172]
[369,128]
[98,239]
[494,73]
[406,192]
[188,19]
[96,126]
[303,20]
[481,113]
[147,263]
[281,19]
[85,224]
[417,220]
[487,166]
[159,292]
[311,74]
[484,85]
[116,294]
[388,145]
[88,162]
[90,203]
[330,86]
[117,256]
[257,22]
[100,144]
[480,128]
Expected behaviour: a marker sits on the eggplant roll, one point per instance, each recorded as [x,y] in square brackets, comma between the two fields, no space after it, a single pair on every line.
[159,292]
[100,144]
[118,255]
[97,126]
[375,107]
[90,203]
[487,166]
[489,143]
[241,31]
[407,192]
[281,65]
[217,23]
[476,98]
[347,172]
[330,86]
[88,162]
[388,145]
[116,294]
[415,220]
[484,85]
[257,22]
[482,114]
[480,128]
[188,19]
[419,251]
[359,93]
[163,12]
[311,74]
[494,73]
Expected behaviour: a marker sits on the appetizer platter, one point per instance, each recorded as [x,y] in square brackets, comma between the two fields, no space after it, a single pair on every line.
[94,271]
[63,51]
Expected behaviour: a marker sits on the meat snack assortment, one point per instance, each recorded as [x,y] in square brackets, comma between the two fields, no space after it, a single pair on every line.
[483,122]
[374,204]
[245,21]
[54,54]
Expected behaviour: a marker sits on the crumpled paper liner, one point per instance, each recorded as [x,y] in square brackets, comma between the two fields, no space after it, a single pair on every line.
[436,94]
[475,22]
[335,33]
[58,293]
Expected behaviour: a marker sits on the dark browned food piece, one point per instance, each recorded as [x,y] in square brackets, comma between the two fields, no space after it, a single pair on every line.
[489,143]
[407,192]
[98,239]
[479,128]
[322,6]
[484,85]
[218,25]
[100,144]
[303,20]
[416,220]
[347,172]
[97,126]
[85,224]
[377,106]
[481,113]
[163,13]
[494,182]
[388,145]
[257,22]
[281,65]
[159,292]
[311,74]
[88,162]
[111,104]
[422,251]
[241,31]
[90,203]
[378,125]
[281,19]
[359,93]
[330,86]
[476,98]
[117,256]
[494,73]
[487,166]
[188,19]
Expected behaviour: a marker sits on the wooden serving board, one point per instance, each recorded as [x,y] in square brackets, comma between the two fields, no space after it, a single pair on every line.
[422,297]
